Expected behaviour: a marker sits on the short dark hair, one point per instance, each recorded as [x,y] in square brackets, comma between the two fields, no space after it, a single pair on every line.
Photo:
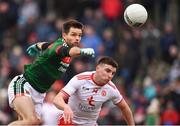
[107,60]
[71,23]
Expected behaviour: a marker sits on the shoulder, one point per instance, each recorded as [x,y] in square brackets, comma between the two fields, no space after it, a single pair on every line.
[111,85]
[114,92]
[55,44]
[59,40]
[80,79]
[85,75]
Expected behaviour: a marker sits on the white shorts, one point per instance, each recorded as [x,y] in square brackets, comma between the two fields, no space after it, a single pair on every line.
[20,87]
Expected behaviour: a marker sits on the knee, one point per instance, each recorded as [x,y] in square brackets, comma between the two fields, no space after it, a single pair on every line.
[34,121]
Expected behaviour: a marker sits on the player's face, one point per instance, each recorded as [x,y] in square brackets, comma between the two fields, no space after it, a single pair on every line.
[73,37]
[104,73]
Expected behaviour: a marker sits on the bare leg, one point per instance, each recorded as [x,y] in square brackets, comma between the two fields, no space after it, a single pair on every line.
[24,106]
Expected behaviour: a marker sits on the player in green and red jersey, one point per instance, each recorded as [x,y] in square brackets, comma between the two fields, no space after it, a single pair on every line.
[26,92]
[55,60]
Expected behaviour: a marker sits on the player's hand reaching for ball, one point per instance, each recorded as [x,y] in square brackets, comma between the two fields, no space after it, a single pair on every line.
[68,114]
[88,52]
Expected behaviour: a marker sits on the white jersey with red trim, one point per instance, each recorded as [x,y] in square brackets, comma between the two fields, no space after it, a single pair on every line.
[86,98]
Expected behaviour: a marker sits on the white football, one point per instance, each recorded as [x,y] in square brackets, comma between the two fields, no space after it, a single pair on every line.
[135,15]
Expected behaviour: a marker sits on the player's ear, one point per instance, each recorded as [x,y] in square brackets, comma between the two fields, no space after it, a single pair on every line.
[64,35]
[97,67]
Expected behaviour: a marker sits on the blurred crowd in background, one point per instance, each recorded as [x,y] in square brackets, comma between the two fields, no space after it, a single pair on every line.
[149,58]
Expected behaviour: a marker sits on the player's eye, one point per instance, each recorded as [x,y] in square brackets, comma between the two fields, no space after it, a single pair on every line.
[80,35]
[108,70]
[73,34]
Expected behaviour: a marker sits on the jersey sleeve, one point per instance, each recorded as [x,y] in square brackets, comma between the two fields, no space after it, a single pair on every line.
[72,86]
[116,96]
[59,48]
[62,51]
[45,45]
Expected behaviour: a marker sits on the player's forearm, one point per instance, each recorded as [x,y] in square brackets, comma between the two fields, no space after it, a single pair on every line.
[126,112]
[59,102]
[128,115]
[74,51]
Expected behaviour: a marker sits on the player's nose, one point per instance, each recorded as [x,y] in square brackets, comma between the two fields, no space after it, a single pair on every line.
[78,38]
[110,76]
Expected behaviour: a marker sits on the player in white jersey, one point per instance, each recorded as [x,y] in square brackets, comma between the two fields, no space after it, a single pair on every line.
[86,92]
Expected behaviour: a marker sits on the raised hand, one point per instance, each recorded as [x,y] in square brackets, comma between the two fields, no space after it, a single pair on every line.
[88,52]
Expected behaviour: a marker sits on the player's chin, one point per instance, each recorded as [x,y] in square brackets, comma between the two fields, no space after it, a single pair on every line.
[106,81]
[76,44]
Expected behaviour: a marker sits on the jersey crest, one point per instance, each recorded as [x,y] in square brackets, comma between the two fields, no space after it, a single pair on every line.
[103,93]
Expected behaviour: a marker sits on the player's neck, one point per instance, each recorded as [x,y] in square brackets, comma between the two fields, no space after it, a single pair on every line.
[96,80]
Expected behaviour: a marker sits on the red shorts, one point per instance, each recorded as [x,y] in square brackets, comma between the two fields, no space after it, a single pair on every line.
[61,122]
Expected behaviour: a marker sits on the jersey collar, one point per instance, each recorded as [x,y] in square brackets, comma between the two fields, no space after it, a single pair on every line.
[92,75]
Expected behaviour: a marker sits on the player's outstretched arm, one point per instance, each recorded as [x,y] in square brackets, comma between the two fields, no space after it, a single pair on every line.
[126,112]
[60,104]
[37,48]
[76,51]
